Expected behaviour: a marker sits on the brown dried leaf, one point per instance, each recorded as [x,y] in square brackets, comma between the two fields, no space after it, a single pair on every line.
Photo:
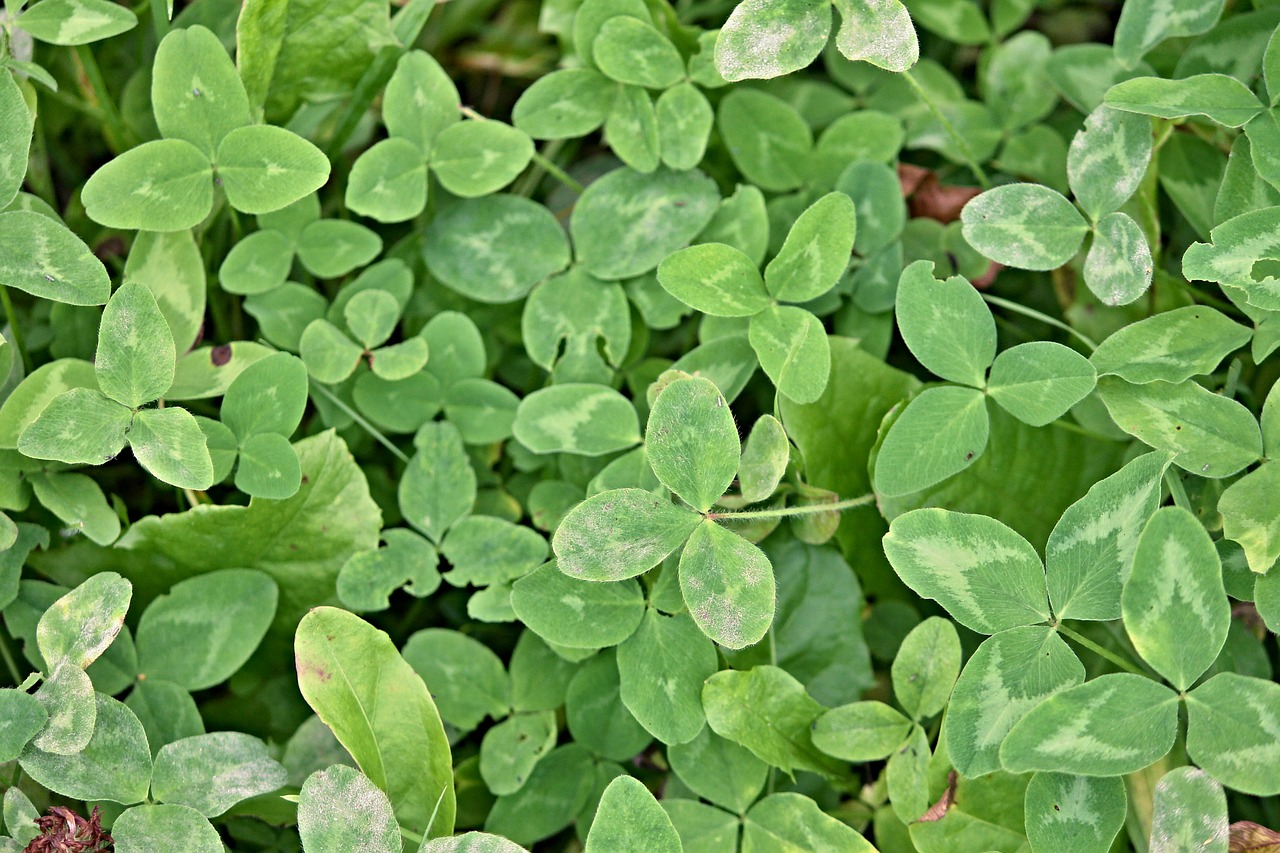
[1249,837]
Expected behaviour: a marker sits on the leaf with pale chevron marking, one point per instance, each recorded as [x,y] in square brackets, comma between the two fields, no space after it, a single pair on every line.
[1233,732]
[589,420]
[1074,814]
[1027,226]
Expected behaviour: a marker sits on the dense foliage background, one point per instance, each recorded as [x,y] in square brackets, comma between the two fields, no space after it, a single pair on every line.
[639,425]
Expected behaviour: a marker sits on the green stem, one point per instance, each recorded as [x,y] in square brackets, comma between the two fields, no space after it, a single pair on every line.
[959,140]
[1100,650]
[543,162]
[1176,490]
[117,133]
[15,328]
[811,509]
[364,424]
[9,661]
[160,18]
[410,835]
[1042,317]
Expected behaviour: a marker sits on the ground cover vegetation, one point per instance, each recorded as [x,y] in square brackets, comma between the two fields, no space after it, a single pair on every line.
[626,425]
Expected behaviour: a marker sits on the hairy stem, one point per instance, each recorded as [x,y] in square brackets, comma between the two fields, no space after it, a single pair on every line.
[811,509]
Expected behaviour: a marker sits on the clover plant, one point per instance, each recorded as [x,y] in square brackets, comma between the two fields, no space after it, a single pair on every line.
[632,425]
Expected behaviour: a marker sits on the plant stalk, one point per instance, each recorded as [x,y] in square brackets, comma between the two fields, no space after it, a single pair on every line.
[1102,651]
[9,661]
[1042,317]
[364,424]
[160,18]
[950,128]
[811,509]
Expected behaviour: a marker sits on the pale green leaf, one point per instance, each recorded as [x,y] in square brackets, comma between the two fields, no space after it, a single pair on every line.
[170,265]
[476,158]
[439,486]
[788,821]
[579,418]
[620,534]
[269,395]
[1119,266]
[939,434]
[79,427]
[78,502]
[1108,158]
[407,561]
[1236,246]
[763,39]
[1027,226]
[67,696]
[33,394]
[1232,727]
[1221,98]
[388,182]
[878,32]
[1074,814]
[767,138]
[715,279]
[692,442]
[633,51]
[1112,725]
[629,820]
[212,772]
[145,828]
[163,185]
[1170,346]
[728,586]
[268,467]
[43,257]
[73,22]
[330,356]
[484,550]
[264,168]
[1247,517]
[816,251]
[860,731]
[906,776]
[329,248]
[1037,382]
[719,769]
[512,748]
[115,765]
[195,91]
[353,677]
[136,357]
[792,346]
[340,810]
[1189,812]
[79,626]
[574,613]
[468,842]
[1145,23]
[945,324]
[631,129]
[764,459]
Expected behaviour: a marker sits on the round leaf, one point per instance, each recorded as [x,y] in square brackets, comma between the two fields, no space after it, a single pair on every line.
[172,447]
[164,185]
[765,39]
[269,395]
[692,442]
[164,827]
[1038,382]
[569,612]
[684,124]
[767,138]
[715,279]
[388,182]
[939,434]
[1118,268]
[330,248]
[340,810]
[420,100]
[330,356]
[475,158]
[1229,723]
[632,51]
[588,420]
[1028,226]
[926,667]
[264,168]
[630,819]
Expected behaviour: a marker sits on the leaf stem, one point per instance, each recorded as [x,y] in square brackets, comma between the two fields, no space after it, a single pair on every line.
[1176,490]
[965,151]
[543,163]
[15,328]
[364,424]
[811,509]
[1100,650]
[117,133]
[1042,317]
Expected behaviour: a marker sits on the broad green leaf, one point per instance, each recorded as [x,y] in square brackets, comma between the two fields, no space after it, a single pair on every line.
[510,750]
[1213,436]
[556,792]
[768,712]
[115,765]
[566,103]
[212,772]
[702,828]
[407,561]
[692,442]
[719,770]
[926,667]
[987,576]
[632,51]
[816,251]
[205,628]
[457,349]
[570,612]
[627,222]
[939,434]
[167,712]
[1189,813]
[765,455]
[1015,86]
[906,776]
[264,168]
[170,265]
[860,731]
[631,129]
[1231,732]
[1237,245]
[1112,725]
[595,714]
[268,467]
[946,325]
[1107,159]
[1090,552]
[483,411]
[572,312]
[485,550]
[136,357]
[163,185]
[79,427]
[468,682]
[881,210]
[16,126]
[715,279]
[1146,23]
[684,125]
[1118,267]
[79,626]
[439,486]
[962,23]
[1190,172]
[728,586]
[786,822]
[1170,346]
[269,395]
[170,445]
[21,718]
[729,362]
[195,90]
[878,32]
[164,827]
[1175,608]
[763,40]
[670,652]
[1247,519]
[77,500]
[476,158]
[1037,382]
[300,541]
[420,100]
[767,138]
[496,248]
[1242,189]
[793,349]
[371,316]
[340,809]
[329,355]
[468,842]
[388,182]
[330,248]
[629,819]
[620,534]
[1223,99]
[73,22]
[1074,814]
[68,697]
[356,681]
[588,420]
[591,15]
[1027,226]
[43,257]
